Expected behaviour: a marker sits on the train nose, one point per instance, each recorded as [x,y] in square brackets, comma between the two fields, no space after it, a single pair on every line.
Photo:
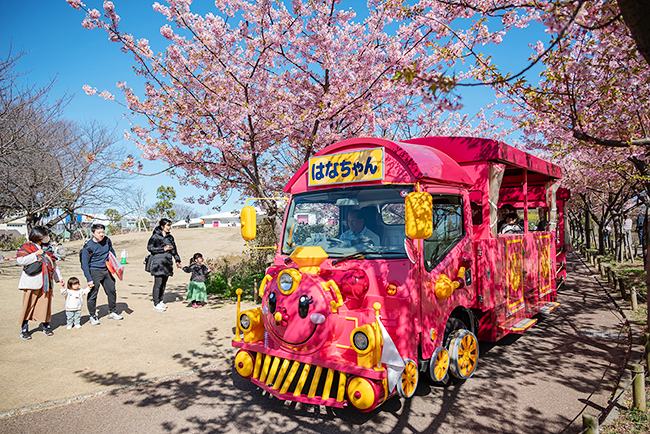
[281,317]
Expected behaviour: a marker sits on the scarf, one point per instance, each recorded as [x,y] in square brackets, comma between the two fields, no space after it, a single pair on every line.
[48,260]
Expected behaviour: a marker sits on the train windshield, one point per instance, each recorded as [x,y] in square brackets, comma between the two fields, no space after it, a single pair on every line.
[348,221]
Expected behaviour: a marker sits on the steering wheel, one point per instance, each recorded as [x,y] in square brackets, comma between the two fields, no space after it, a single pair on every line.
[335,242]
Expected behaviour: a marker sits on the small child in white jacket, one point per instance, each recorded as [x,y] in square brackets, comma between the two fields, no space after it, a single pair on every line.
[73,302]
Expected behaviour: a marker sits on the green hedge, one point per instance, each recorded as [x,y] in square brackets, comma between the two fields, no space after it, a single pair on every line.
[217,284]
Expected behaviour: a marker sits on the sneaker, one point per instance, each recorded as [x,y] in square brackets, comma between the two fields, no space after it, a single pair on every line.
[159,308]
[77,326]
[25,336]
[162,303]
[48,331]
[94,320]
[69,327]
[115,315]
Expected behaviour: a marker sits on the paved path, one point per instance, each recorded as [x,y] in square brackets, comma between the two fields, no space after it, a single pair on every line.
[538,382]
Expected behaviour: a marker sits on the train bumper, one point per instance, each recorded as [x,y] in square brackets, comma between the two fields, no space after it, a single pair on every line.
[302,380]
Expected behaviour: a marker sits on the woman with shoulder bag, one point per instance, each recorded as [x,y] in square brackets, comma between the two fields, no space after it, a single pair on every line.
[162,247]
[39,271]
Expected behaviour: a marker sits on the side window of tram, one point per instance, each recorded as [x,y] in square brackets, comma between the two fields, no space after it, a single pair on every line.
[448,228]
[477,213]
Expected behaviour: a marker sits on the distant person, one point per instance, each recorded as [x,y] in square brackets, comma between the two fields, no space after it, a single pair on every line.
[511,225]
[74,297]
[627,230]
[197,293]
[608,231]
[94,255]
[639,228]
[358,232]
[162,247]
[36,279]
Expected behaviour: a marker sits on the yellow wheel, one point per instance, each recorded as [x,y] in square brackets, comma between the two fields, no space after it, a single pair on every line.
[409,381]
[463,354]
[244,363]
[439,365]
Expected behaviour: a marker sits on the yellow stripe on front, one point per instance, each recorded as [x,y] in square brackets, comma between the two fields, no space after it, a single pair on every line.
[258,365]
[274,369]
[283,370]
[265,369]
[341,392]
[314,382]
[302,380]
[328,384]
[289,379]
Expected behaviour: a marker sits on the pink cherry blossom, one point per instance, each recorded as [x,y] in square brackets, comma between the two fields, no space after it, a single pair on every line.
[106,95]
[243,96]
[77,4]
[167,31]
[89,90]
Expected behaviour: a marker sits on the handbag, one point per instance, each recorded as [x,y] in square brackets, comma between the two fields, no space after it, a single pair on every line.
[147,263]
[34,268]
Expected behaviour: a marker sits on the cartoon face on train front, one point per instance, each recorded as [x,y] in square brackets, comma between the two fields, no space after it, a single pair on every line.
[296,311]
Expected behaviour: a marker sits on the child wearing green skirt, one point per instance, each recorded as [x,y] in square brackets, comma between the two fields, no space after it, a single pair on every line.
[197,293]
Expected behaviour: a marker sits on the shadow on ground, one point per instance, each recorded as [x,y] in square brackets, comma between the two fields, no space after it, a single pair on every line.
[513,390]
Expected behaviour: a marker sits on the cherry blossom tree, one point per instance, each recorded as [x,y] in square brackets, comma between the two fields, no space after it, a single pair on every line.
[595,82]
[604,186]
[243,96]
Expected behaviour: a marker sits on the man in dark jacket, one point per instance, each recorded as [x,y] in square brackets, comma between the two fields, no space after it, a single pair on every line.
[94,255]
[162,247]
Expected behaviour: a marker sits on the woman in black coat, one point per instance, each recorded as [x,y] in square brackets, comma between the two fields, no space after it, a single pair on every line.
[162,247]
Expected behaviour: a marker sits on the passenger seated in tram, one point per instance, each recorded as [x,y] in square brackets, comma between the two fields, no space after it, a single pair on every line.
[358,232]
[511,225]
[543,224]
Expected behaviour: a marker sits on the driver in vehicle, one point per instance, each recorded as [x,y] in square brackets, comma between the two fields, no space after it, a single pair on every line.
[358,232]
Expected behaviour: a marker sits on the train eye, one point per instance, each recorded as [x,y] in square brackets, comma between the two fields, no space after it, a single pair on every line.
[272,301]
[303,305]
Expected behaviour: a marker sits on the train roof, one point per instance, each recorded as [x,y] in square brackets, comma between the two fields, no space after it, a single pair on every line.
[440,159]
[467,150]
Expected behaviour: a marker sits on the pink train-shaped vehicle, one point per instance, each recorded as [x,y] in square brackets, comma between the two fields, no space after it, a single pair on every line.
[391,265]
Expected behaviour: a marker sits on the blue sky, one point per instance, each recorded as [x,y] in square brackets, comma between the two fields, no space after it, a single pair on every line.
[59,47]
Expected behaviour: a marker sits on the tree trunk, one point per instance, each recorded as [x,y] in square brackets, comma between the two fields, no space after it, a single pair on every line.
[644,241]
[587,229]
[646,259]
[618,245]
[601,240]
[32,220]
[636,14]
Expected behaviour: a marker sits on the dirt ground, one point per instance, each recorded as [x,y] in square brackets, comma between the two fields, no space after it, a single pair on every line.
[144,345]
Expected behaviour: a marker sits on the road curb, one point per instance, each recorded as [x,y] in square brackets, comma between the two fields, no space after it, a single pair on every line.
[637,346]
[64,401]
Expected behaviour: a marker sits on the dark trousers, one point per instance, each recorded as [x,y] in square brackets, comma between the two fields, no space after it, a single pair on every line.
[105,279]
[159,284]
